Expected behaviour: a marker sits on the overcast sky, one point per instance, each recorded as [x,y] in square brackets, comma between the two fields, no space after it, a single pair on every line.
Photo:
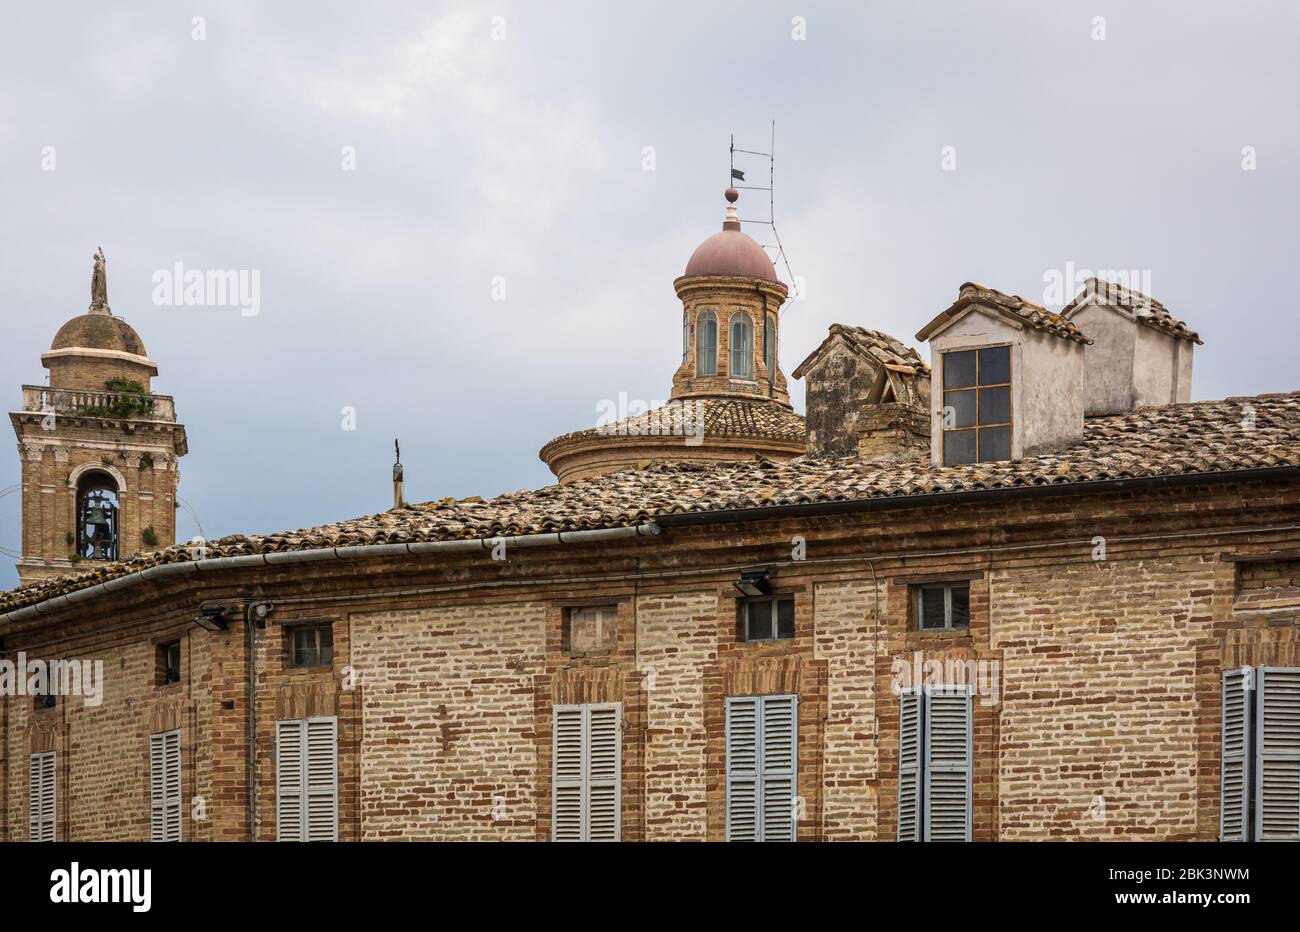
[506,144]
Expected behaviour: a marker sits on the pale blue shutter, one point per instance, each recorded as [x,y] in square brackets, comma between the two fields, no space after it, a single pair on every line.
[320,779]
[948,763]
[910,706]
[742,768]
[1277,754]
[165,786]
[603,739]
[1234,759]
[566,773]
[778,768]
[41,802]
[289,816]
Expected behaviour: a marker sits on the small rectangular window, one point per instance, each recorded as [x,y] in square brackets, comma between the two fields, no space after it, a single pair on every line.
[767,618]
[169,663]
[311,646]
[44,701]
[942,606]
[977,405]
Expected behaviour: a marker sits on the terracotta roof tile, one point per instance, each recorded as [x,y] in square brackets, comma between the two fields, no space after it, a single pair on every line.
[1146,309]
[1183,439]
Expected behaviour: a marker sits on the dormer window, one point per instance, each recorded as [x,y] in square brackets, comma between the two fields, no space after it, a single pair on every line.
[706,344]
[977,405]
[742,346]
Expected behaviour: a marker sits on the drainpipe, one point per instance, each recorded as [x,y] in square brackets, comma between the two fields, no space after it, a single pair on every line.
[250,705]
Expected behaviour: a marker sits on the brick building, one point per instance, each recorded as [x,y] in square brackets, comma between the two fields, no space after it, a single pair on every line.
[1033,592]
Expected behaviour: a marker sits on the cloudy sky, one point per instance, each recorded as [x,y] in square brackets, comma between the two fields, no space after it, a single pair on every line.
[392,170]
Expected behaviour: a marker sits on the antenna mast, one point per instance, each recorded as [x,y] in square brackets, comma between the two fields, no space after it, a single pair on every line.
[735,176]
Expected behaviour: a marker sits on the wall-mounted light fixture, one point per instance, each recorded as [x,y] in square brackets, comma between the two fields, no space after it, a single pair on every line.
[755,582]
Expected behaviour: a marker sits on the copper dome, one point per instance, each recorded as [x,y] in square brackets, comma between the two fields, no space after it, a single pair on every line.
[731,252]
[101,332]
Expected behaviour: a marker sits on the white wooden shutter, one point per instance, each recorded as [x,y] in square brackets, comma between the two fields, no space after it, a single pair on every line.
[306,779]
[780,750]
[41,804]
[1277,754]
[911,702]
[1234,748]
[762,767]
[321,779]
[566,773]
[586,772]
[165,786]
[289,780]
[947,756]
[604,725]
[742,768]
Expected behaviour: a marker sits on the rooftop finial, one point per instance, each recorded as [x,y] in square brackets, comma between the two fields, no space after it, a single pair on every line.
[399,499]
[732,219]
[99,285]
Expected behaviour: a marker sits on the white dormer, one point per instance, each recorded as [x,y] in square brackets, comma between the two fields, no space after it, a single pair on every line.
[1141,354]
[1006,379]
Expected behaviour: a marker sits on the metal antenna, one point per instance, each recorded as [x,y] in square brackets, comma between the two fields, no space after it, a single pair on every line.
[771,197]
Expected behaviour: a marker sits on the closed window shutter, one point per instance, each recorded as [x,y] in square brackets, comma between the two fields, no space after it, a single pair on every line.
[586,769]
[947,756]
[780,748]
[40,797]
[910,704]
[321,779]
[165,786]
[603,727]
[289,819]
[1234,744]
[742,768]
[762,767]
[1277,754]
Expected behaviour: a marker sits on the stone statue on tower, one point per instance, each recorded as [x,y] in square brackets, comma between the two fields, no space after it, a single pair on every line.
[99,285]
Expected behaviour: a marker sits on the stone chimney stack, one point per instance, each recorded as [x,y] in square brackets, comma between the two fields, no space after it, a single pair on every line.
[867,395]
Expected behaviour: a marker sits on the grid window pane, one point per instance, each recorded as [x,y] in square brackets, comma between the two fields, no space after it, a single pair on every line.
[785,618]
[995,444]
[995,405]
[959,446]
[959,369]
[932,607]
[995,365]
[313,647]
[960,605]
[963,408]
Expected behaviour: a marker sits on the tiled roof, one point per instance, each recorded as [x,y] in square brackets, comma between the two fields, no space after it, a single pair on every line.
[723,417]
[874,343]
[1027,312]
[1146,309]
[1193,439]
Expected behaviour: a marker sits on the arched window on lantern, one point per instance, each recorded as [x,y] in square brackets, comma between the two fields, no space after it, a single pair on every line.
[686,335]
[769,346]
[742,346]
[97,517]
[706,343]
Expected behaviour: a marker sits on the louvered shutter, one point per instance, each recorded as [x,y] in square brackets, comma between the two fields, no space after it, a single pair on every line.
[566,773]
[947,756]
[586,769]
[910,705]
[289,780]
[780,748]
[742,768]
[41,809]
[1277,754]
[165,786]
[603,728]
[321,779]
[1234,744]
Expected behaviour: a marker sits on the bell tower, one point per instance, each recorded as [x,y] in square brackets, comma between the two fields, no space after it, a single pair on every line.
[99,449]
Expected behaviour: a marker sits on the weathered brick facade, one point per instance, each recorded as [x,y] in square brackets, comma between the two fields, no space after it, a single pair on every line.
[1103,721]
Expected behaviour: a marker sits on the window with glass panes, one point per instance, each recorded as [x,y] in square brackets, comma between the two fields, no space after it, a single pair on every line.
[768,618]
[977,405]
[311,646]
[942,606]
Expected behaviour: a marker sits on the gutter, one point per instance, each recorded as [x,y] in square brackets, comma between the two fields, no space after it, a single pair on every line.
[320,555]
[924,499]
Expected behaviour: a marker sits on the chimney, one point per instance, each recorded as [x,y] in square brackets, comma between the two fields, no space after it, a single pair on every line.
[1140,355]
[863,383]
